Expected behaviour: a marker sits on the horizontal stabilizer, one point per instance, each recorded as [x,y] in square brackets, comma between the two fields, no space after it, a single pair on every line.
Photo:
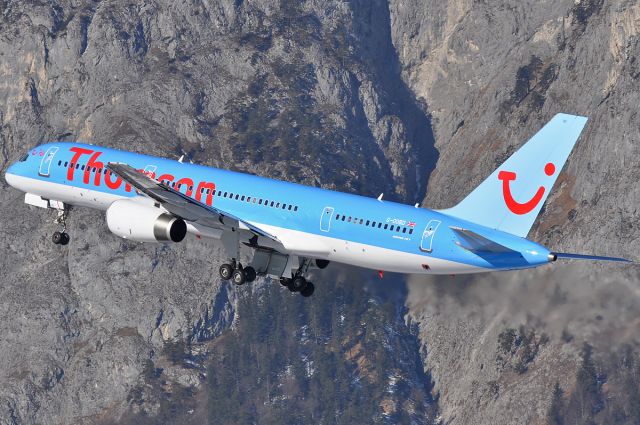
[474,242]
[568,256]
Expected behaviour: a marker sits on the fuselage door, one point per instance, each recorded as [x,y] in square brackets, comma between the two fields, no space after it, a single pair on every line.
[426,244]
[47,159]
[325,219]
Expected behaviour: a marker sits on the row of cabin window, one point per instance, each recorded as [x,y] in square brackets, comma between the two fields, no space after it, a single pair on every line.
[228,195]
[254,200]
[379,225]
[243,198]
[82,167]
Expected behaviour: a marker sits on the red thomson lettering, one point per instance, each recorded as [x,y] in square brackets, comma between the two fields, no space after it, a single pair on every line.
[188,182]
[93,163]
[112,184]
[78,152]
[210,188]
[167,177]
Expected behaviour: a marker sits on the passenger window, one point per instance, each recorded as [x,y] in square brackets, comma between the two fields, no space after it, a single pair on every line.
[368,222]
[404,230]
[296,209]
[82,168]
[242,199]
[386,226]
[342,218]
[278,205]
[271,203]
[337,216]
[260,202]
[284,206]
[290,207]
[59,163]
[379,225]
[361,221]
[66,163]
[349,221]
[411,231]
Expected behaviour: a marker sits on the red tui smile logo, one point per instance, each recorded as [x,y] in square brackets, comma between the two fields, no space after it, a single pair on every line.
[526,207]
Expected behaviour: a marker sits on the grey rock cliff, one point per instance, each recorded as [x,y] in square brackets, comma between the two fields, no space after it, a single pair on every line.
[492,74]
[308,92]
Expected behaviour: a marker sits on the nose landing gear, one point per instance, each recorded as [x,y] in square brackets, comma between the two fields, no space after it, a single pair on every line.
[61,237]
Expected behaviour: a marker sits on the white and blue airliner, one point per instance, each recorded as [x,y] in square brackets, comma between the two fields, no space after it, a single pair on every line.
[291,227]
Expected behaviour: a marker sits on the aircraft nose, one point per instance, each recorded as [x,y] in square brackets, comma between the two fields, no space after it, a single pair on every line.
[10,175]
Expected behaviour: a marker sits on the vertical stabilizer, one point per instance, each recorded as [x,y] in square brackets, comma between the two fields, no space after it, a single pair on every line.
[512,196]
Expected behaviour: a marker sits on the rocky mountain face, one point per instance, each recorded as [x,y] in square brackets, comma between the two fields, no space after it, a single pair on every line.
[365,96]
[105,330]
[492,73]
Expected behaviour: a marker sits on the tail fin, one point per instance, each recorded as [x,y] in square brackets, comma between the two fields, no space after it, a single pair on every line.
[512,196]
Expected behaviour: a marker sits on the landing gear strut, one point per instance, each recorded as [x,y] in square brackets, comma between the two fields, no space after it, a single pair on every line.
[61,237]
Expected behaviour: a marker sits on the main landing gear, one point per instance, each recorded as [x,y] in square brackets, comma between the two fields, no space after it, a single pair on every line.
[236,273]
[61,237]
[298,283]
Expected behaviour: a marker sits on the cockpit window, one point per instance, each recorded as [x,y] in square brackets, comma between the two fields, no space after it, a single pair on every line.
[24,157]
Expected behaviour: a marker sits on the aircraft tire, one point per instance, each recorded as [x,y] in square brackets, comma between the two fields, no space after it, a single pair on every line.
[65,239]
[308,290]
[56,238]
[250,273]
[238,277]
[226,271]
[297,284]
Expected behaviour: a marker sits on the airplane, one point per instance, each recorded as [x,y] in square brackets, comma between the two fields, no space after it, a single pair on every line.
[290,227]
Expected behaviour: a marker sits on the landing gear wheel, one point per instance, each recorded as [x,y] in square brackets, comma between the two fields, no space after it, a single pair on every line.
[307,291]
[238,277]
[56,238]
[65,238]
[226,271]
[250,273]
[297,284]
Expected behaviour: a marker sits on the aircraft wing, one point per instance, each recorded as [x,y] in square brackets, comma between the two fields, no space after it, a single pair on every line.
[474,242]
[182,205]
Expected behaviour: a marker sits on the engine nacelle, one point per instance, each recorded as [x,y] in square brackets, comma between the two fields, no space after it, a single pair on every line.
[142,222]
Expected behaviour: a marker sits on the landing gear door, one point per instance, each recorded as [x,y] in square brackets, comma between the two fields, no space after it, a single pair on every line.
[426,244]
[325,219]
[45,164]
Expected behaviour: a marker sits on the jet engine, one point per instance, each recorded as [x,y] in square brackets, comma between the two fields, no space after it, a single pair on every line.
[142,222]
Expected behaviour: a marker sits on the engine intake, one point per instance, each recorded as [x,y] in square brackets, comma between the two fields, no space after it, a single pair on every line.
[142,222]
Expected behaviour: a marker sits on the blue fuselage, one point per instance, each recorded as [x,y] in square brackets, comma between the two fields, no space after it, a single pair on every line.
[397,229]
